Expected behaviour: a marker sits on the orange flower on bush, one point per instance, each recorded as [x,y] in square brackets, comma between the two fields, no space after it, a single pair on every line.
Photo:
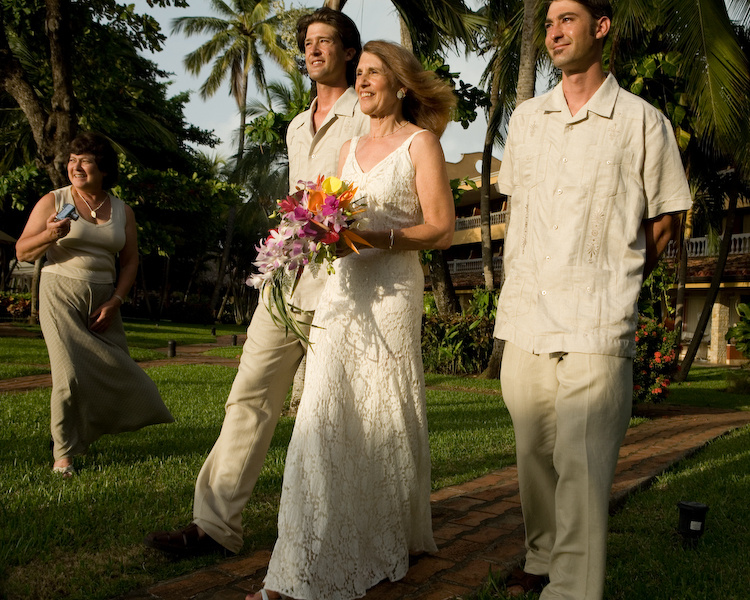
[655,362]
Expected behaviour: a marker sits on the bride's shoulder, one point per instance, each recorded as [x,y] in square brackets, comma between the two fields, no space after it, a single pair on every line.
[424,141]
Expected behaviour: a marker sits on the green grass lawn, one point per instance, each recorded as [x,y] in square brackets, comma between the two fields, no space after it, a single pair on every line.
[81,538]
[20,356]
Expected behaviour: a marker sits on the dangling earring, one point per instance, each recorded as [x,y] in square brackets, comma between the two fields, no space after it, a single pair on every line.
[401,94]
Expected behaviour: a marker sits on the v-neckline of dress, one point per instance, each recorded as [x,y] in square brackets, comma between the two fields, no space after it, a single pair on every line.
[382,160]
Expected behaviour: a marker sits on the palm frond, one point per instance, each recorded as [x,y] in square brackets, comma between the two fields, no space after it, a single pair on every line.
[206,52]
[198,25]
[436,24]
[222,8]
[631,17]
[715,67]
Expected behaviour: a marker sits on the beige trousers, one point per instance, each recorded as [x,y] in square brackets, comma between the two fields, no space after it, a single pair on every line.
[570,413]
[269,360]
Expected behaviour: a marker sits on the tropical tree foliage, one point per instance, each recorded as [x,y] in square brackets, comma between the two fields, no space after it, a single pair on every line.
[242,34]
[690,60]
[178,198]
[269,123]
[52,82]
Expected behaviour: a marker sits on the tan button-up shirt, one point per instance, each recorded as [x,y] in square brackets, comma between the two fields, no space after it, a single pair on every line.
[314,153]
[580,189]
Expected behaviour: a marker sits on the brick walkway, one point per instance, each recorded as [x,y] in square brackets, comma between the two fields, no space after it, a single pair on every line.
[478,526]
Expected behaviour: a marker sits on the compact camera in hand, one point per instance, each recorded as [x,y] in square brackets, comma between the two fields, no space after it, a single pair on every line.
[68,211]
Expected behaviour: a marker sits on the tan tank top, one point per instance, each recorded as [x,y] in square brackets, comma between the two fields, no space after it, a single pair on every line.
[88,251]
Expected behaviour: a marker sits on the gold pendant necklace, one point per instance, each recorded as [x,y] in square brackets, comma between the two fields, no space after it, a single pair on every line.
[93,210]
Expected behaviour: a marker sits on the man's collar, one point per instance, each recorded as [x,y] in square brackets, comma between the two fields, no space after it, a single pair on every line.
[601,103]
[345,105]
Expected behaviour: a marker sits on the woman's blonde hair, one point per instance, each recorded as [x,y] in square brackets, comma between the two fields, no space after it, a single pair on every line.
[429,100]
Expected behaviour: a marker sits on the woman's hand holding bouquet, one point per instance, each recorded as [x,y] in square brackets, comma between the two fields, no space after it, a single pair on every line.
[315,222]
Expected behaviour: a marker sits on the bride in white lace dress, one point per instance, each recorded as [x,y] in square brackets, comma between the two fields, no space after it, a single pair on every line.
[356,494]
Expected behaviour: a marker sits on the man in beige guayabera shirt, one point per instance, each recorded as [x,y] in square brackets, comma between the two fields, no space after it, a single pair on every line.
[596,185]
[331,45]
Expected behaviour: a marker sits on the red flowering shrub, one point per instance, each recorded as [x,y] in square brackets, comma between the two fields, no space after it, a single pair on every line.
[655,360]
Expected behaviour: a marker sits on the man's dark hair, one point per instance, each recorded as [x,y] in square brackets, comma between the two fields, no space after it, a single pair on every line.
[104,155]
[345,28]
[596,8]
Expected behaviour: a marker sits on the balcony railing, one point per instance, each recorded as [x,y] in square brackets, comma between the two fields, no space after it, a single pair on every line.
[698,247]
[496,218]
[474,265]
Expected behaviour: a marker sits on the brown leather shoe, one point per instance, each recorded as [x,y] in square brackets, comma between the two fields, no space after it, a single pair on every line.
[188,541]
[520,582]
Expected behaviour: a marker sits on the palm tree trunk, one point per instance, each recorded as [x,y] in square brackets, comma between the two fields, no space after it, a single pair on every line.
[524,91]
[713,291]
[405,35]
[442,285]
[686,231]
[34,316]
[485,226]
[528,56]
[164,294]
[485,207]
[232,212]
[144,289]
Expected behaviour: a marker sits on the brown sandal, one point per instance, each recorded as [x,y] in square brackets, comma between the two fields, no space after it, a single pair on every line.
[528,582]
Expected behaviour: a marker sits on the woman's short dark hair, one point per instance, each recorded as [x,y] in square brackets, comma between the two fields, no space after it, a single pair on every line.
[104,154]
[345,28]
[429,100]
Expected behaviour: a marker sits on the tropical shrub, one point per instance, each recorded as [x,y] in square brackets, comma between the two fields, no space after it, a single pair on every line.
[655,361]
[15,306]
[456,345]
[483,304]
[460,344]
[739,334]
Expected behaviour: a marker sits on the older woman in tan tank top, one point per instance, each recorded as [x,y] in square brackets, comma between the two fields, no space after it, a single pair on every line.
[83,230]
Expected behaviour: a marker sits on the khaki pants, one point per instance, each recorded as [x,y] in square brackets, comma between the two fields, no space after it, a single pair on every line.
[269,360]
[570,413]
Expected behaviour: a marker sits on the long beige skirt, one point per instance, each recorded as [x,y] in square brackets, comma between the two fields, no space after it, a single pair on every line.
[96,387]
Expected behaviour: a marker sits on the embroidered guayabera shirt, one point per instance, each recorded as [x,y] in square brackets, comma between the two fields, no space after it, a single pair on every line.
[580,188]
[313,153]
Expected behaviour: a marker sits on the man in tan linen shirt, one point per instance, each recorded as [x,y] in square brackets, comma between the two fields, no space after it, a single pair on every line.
[271,355]
[595,180]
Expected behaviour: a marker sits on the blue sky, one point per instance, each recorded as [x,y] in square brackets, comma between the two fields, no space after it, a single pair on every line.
[376,19]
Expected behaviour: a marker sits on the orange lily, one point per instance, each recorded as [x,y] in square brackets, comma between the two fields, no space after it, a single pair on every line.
[315,200]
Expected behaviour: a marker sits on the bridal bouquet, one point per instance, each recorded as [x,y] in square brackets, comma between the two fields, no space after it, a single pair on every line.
[312,220]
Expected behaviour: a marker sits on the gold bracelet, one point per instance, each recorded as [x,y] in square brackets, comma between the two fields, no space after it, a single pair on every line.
[390,241]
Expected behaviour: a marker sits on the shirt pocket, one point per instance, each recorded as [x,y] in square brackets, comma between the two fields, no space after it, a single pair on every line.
[516,297]
[530,164]
[608,173]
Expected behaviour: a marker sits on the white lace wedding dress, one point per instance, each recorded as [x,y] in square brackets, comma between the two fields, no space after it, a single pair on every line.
[356,492]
